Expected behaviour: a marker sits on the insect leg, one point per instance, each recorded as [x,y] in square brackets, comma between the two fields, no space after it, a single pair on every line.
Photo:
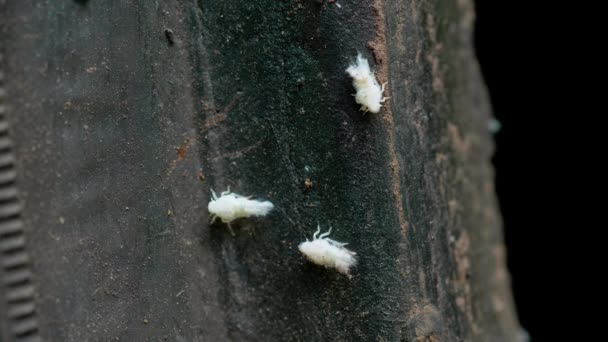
[336,243]
[325,234]
[230,229]
[213,195]
[314,236]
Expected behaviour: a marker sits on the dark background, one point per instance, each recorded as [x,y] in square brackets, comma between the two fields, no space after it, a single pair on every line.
[527,74]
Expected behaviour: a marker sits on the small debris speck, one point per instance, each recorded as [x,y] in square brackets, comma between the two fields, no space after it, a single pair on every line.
[145,321]
[181,152]
[307,184]
[170,36]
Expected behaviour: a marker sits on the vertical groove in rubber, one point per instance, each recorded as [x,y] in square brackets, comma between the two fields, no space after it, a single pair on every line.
[16,280]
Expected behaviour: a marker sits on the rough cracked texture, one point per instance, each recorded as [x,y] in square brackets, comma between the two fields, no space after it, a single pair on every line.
[125,113]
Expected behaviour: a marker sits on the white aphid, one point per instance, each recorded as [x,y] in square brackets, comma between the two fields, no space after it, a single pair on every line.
[230,206]
[369,93]
[329,253]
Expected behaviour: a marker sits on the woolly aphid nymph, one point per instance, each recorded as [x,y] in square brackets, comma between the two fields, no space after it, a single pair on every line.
[369,93]
[329,253]
[230,206]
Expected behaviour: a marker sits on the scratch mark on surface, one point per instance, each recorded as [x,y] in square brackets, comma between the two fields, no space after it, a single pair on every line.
[238,153]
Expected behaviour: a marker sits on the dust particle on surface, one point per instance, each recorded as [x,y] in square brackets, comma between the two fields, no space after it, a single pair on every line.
[181,153]
[307,184]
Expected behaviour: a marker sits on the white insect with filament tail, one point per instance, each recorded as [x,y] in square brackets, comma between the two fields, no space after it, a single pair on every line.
[329,253]
[369,94]
[230,206]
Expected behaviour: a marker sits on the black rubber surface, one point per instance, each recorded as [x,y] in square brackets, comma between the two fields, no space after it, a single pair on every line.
[125,113]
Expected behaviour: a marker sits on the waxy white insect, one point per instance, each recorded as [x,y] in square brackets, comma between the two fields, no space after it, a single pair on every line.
[369,93]
[329,253]
[230,206]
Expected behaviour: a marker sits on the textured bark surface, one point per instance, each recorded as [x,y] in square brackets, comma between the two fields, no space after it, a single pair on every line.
[123,114]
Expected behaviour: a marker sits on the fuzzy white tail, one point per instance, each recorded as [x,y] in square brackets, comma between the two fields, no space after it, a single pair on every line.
[259,208]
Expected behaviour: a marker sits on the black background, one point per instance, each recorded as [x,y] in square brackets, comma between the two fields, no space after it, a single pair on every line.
[530,89]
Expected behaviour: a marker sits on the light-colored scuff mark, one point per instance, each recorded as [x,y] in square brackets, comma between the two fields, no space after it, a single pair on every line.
[464,299]
[433,55]
[468,14]
[213,121]
[378,47]
[238,153]
[461,145]
[425,323]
